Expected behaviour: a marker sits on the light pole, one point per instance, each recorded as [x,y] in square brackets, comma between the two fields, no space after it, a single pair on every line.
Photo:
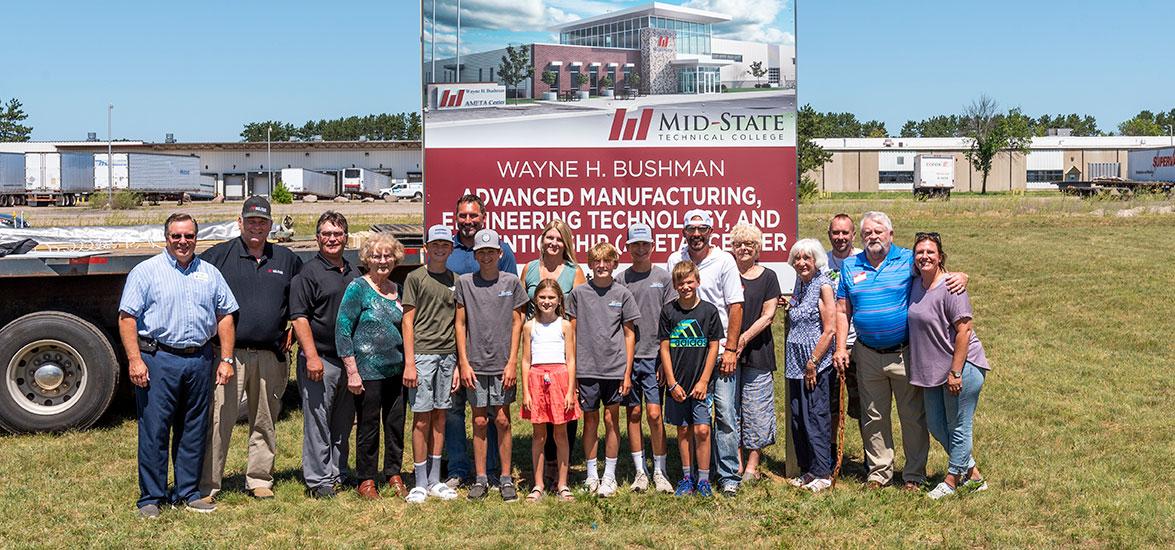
[433,39]
[458,40]
[110,154]
[269,155]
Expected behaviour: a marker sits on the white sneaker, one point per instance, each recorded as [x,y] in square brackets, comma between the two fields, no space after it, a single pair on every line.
[607,488]
[661,483]
[417,495]
[640,483]
[942,490]
[592,484]
[818,484]
[442,491]
[801,481]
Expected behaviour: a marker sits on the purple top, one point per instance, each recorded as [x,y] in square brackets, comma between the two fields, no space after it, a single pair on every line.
[932,317]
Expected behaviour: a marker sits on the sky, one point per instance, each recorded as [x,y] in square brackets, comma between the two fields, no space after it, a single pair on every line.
[201,70]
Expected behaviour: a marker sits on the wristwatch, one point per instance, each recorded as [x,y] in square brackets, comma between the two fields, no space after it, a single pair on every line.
[956,374]
[228,359]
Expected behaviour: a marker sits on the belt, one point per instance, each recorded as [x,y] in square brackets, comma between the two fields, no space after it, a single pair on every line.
[150,345]
[892,349]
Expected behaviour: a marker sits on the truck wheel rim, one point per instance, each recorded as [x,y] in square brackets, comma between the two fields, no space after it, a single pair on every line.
[46,377]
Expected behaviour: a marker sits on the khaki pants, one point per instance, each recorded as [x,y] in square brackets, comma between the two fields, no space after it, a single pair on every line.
[880,376]
[261,376]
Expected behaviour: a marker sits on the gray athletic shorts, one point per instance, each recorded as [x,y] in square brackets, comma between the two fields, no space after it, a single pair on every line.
[487,391]
[434,380]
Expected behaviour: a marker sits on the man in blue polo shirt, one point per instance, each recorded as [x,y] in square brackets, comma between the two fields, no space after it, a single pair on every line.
[470,218]
[873,292]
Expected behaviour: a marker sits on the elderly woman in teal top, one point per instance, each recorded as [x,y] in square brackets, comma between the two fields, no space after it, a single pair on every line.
[369,342]
[556,262]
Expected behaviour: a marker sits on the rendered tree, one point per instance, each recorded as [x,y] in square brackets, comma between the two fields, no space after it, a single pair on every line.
[756,70]
[515,67]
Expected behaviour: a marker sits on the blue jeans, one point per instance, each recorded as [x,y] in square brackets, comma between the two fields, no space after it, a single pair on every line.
[949,417]
[725,439]
[457,449]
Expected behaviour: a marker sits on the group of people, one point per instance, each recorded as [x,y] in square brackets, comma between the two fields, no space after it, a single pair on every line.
[689,344]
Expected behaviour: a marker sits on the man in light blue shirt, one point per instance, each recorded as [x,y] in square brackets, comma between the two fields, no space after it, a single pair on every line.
[171,307]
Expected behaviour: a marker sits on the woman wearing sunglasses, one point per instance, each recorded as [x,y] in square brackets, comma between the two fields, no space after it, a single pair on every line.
[947,360]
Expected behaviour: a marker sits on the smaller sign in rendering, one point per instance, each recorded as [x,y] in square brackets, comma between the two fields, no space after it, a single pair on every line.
[465,95]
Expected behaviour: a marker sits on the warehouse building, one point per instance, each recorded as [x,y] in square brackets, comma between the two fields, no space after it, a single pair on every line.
[242,169]
[671,47]
[887,164]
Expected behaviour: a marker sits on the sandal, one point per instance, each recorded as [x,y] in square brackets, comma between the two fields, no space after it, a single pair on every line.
[565,494]
[535,495]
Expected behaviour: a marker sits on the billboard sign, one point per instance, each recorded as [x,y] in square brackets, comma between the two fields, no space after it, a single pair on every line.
[470,95]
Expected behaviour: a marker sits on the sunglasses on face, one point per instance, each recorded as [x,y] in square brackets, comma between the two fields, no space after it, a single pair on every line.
[183,236]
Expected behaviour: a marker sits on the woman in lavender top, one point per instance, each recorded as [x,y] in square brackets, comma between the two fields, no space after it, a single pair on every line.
[947,360]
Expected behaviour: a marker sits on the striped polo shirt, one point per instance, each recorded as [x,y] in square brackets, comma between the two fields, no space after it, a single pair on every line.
[879,296]
[174,305]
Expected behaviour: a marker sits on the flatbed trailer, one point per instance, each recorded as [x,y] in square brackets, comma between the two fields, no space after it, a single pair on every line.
[1114,187]
[60,354]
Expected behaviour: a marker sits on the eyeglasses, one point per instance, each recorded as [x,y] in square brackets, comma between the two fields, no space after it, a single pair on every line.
[744,244]
[332,234]
[182,236]
[697,229]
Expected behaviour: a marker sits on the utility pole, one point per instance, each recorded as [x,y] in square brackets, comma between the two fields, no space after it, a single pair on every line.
[110,154]
[269,155]
[433,39]
[458,40]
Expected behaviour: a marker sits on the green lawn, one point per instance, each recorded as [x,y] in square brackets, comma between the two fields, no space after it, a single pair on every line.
[1074,307]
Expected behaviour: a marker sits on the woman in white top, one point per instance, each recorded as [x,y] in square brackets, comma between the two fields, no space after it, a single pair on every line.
[548,367]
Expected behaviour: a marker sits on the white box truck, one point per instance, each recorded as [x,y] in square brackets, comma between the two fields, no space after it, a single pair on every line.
[58,178]
[934,176]
[153,175]
[11,179]
[302,182]
[361,181]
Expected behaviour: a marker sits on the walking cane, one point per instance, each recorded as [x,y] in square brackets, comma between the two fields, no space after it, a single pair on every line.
[840,426]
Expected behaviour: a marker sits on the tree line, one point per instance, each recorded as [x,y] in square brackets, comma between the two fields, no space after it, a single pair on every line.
[381,127]
[847,125]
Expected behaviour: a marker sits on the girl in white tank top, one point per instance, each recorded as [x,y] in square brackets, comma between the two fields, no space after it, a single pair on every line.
[548,372]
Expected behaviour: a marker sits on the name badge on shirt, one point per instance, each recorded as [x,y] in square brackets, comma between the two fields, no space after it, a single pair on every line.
[615,303]
[200,276]
[657,285]
[859,277]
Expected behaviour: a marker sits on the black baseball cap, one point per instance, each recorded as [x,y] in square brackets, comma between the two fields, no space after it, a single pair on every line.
[256,207]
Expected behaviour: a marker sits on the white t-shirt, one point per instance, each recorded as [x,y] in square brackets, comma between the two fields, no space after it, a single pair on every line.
[720,284]
[546,343]
[834,264]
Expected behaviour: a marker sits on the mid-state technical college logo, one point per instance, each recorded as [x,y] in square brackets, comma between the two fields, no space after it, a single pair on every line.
[687,334]
[630,129]
[449,98]
[663,41]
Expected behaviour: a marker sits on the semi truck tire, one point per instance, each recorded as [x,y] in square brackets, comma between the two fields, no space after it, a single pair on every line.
[59,373]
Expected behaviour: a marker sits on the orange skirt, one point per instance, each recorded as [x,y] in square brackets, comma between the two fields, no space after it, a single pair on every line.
[548,387]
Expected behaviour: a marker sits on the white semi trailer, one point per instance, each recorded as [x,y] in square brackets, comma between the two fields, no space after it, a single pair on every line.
[361,181]
[12,192]
[154,176]
[1152,164]
[63,179]
[934,176]
[302,182]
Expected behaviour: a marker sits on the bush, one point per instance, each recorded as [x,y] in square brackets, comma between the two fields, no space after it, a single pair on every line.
[808,190]
[724,88]
[281,195]
[123,200]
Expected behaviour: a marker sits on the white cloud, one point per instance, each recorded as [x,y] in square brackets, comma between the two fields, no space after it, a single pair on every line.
[751,20]
[498,15]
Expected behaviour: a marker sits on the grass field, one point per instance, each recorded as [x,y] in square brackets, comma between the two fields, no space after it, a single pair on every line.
[1072,302]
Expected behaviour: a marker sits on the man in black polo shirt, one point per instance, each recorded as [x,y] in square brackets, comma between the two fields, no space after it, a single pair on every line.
[328,412]
[260,274]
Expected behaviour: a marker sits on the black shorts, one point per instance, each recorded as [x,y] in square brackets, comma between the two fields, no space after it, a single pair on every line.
[594,391]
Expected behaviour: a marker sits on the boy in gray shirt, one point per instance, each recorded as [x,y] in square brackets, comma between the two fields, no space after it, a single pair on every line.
[602,315]
[491,305]
[652,287]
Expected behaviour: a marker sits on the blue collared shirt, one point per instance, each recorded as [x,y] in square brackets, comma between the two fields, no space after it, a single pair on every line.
[177,307]
[879,296]
[461,261]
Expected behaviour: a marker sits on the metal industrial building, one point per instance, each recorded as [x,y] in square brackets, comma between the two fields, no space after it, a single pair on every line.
[242,169]
[887,164]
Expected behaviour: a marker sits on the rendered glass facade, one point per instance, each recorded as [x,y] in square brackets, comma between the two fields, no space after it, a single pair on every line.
[692,38]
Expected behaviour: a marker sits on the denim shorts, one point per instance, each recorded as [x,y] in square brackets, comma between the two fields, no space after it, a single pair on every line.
[690,412]
[644,383]
[434,382]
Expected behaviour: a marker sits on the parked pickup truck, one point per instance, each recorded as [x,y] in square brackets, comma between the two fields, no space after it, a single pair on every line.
[404,190]
[60,355]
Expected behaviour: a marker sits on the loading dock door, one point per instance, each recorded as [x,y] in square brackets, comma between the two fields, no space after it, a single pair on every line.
[260,185]
[234,186]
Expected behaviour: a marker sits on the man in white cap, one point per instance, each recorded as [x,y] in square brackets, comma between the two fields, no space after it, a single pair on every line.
[722,287]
